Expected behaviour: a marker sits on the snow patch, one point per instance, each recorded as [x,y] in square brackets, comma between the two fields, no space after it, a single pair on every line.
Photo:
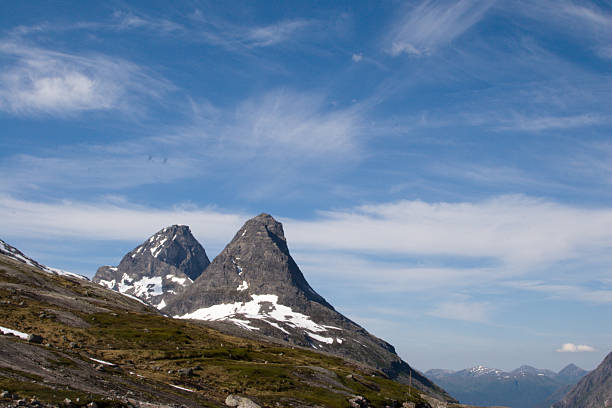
[65,273]
[482,370]
[17,333]
[125,283]
[243,286]
[134,297]
[238,267]
[181,388]
[103,362]
[243,323]
[148,287]
[322,339]
[261,307]
[107,284]
[145,287]
[161,305]
[277,326]
[180,281]
[157,249]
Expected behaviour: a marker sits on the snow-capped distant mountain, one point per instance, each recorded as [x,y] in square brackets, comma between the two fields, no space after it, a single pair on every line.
[12,252]
[525,387]
[159,268]
[480,370]
[526,370]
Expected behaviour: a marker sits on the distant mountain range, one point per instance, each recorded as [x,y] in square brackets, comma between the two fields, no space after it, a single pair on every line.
[253,288]
[525,387]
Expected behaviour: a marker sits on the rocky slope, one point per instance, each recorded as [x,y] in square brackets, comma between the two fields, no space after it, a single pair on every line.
[13,253]
[255,284]
[68,342]
[593,390]
[525,387]
[159,268]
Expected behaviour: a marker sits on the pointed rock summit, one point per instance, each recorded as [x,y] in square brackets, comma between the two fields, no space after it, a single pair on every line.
[593,391]
[159,268]
[571,373]
[255,286]
[255,262]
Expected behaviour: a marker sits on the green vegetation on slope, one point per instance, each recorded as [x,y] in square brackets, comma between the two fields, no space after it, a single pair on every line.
[80,321]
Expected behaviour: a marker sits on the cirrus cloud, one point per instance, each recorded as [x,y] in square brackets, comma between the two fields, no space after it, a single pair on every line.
[35,81]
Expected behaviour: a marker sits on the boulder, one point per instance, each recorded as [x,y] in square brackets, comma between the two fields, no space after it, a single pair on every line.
[35,338]
[240,402]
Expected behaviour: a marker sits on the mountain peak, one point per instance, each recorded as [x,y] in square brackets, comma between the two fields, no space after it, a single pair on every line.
[570,367]
[571,373]
[255,286]
[256,262]
[161,266]
[482,370]
[263,226]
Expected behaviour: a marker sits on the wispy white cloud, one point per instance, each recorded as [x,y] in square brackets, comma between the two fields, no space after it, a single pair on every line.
[590,13]
[113,220]
[515,229]
[423,29]
[565,291]
[300,121]
[513,233]
[355,271]
[590,22]
[285,128]
[125,20]
[276,33]
[357,57]
[542,123]
[574,348]
[239,37]
[478,312]
[34,81]
[493,243]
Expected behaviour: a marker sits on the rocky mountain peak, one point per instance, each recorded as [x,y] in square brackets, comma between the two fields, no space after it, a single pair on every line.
[570,368]
[262,230]
[256,262]
[255,287]
[571,373]
[160,267]
[268,222]
[594,390]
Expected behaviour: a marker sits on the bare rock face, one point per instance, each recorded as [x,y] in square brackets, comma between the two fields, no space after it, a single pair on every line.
[158,269]
[255,284]
[593,391]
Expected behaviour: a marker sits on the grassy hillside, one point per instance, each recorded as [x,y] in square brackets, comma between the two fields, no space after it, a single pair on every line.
[157,359]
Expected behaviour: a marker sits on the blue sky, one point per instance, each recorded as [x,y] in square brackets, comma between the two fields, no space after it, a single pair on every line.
[442,169]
